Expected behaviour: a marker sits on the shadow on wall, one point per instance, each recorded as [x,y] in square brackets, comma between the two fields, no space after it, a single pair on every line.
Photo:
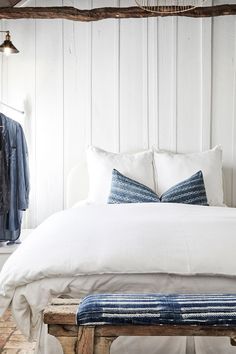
[229,186]
[77,184]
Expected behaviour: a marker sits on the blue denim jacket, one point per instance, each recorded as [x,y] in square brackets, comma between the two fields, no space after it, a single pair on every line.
[16,154]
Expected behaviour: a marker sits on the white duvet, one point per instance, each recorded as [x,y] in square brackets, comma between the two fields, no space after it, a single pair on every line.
[121,248]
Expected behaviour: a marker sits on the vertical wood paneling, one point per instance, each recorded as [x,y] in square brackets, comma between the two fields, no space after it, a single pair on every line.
[133,76]
[206,82]
[104,80]
[123,85]
[166,81]
[145,83]
[117,82]
[233,190]
[174,91]
[89,86]
[49,115]
[77,91]
[223,94]
[189,85]
[153,87]
[71,116]
[1,66]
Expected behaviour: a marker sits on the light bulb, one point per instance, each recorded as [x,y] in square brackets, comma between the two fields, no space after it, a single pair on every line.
[7,51]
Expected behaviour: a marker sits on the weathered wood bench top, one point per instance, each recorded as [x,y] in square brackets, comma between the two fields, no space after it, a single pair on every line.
[61,311]
[60,316]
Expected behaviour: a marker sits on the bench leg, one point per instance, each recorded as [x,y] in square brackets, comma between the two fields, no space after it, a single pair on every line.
[85,343]
[103,345]
[68,344]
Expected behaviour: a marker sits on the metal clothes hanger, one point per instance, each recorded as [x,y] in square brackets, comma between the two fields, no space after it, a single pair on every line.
[13,108]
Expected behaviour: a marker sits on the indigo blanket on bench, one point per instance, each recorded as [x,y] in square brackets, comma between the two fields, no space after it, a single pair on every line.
[151,309]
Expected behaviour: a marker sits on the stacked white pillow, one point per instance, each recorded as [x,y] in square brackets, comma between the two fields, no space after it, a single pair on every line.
[171,168]
[138,166]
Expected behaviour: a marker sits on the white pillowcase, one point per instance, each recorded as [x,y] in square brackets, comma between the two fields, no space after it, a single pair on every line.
[171,168]
[138,166]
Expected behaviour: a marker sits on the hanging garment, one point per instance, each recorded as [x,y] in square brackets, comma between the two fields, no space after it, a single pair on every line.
[4,180]
[14,178]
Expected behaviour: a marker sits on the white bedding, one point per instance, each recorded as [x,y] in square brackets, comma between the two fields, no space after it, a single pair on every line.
[121,248]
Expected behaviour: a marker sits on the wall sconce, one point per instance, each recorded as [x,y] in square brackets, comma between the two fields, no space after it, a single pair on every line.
[7,47]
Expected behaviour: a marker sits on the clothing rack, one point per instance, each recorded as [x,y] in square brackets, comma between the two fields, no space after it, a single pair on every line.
[14,109]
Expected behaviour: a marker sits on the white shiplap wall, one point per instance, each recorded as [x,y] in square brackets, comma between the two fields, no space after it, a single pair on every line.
[123,85]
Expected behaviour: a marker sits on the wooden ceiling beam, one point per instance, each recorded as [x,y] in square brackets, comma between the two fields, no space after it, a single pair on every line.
[74,14]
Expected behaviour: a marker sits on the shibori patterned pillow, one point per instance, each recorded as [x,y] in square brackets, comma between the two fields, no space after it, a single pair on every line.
[127,190]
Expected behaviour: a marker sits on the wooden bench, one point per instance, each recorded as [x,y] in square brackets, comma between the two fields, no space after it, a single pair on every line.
[60,316]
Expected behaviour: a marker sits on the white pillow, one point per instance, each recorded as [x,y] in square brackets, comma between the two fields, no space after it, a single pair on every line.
[171,168]
[138,166]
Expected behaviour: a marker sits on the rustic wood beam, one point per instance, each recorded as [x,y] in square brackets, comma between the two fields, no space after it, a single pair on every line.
[74,14]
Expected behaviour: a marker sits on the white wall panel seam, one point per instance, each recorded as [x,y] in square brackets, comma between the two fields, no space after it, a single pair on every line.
[212,80]
[35,136]
[148,92]
[211,83]
[233,170]
[174,98]
[206,82]
[32,222]
[63,110]
[91,81]
[1,68]
[36,125]
[117,82]
[145,83]
[152,91]
[119,86]
[157,130]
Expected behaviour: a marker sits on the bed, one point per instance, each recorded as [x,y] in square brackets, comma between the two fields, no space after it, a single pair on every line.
[121,248]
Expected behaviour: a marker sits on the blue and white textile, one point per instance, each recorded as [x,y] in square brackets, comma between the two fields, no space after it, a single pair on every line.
[190,191]
[154,309]
[126,190]
[15,152]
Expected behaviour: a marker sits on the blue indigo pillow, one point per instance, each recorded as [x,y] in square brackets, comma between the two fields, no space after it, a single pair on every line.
[190,191]
[126,190]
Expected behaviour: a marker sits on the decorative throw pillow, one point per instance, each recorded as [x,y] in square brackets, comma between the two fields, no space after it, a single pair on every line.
[138,166]
[171,168]
[126,190]
[190,191]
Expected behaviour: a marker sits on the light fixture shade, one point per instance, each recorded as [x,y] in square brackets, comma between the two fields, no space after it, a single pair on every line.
[169,6]
[7,46]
